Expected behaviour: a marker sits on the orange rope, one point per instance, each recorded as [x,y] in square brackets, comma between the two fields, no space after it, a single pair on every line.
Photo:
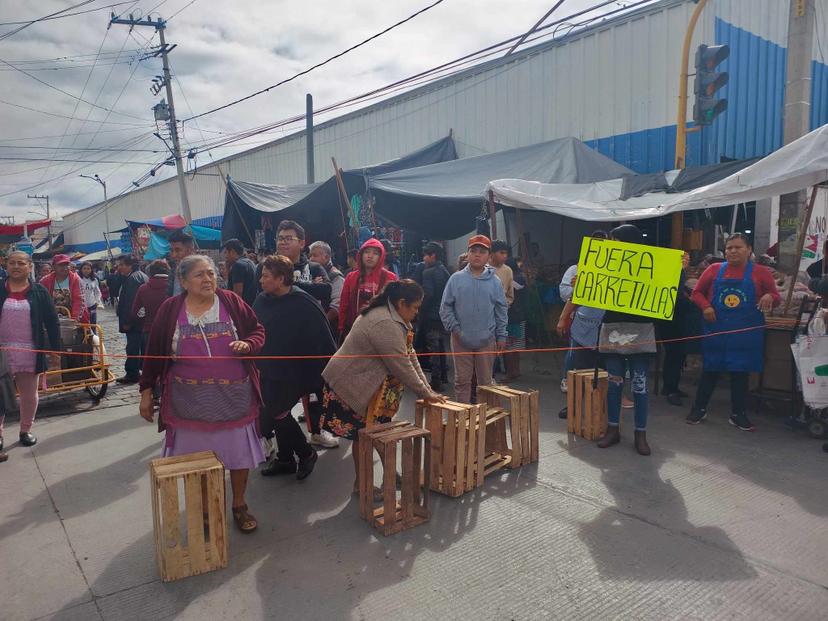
[771,324]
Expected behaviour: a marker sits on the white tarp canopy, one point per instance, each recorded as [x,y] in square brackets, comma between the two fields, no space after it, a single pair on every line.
[796,166]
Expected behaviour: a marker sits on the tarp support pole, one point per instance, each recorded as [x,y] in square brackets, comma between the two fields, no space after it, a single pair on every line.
[492,213]
[344,193]
[238,211]
[800,242]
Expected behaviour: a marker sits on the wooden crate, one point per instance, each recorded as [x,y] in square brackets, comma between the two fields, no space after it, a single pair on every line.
[586,413]
[413,445]
[458,443]
[186,542]
[521,409]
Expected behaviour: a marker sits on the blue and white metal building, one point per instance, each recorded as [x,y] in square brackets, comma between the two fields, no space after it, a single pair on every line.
[613,85]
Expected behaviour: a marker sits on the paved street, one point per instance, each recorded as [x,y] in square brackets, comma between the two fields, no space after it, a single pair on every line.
[716,524]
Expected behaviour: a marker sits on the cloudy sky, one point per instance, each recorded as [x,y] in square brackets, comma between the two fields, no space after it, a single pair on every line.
[225,50]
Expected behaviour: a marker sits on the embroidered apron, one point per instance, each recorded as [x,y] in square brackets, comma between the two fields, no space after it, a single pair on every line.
[206,392]
[734,300]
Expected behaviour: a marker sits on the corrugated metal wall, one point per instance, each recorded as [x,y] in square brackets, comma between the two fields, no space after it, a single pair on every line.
[613,86]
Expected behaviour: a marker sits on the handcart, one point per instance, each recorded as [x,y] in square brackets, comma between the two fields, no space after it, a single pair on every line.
[83,362]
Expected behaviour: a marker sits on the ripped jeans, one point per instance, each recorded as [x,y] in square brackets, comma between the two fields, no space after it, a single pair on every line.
[638,366]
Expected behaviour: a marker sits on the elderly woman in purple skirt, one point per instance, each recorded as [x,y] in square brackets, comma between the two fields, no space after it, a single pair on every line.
[210,401]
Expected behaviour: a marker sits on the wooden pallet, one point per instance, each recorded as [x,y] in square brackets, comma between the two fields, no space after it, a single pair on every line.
[521,409]
[413,445]
[201,545]
[458,443]
[586,405]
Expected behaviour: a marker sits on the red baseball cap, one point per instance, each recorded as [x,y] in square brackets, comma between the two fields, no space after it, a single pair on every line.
[480,240]
[60,259]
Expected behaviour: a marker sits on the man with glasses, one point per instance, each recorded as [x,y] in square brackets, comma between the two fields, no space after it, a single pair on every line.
[307,275]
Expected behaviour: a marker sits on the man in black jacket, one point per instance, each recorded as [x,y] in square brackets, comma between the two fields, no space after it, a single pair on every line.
[132,279]
[435,277]
[295,325]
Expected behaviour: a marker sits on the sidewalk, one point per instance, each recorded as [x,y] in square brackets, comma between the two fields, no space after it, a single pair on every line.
[716,524]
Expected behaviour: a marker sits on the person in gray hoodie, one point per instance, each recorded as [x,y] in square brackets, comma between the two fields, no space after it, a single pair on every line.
[475,313]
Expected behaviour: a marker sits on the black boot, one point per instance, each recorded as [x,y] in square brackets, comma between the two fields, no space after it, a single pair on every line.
[612,436]
[28,439]
[641,443]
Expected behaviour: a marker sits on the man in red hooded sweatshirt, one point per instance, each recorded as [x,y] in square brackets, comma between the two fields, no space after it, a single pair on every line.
[363,283]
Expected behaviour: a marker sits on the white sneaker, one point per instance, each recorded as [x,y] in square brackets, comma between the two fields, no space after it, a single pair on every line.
[324,439]
[564,386]
[267,446]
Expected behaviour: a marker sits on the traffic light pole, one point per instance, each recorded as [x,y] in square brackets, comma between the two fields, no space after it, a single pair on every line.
[160,25]
[681,117]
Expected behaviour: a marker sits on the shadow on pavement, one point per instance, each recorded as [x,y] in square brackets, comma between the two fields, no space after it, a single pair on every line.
[642,497]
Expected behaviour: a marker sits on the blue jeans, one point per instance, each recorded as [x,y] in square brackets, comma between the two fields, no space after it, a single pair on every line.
[568,358]
[638,366]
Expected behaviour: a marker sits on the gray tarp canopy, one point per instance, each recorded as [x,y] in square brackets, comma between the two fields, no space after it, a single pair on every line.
[318,207]
[442,200]
[798,165]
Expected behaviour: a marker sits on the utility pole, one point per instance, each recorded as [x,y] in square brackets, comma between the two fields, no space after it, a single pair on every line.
[160,25]
[796,122]
[309,135]
[48,215]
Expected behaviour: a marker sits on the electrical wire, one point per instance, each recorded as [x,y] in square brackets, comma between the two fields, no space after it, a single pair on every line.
[319,64]
[63,116]
[426,76]
[67,93]
[25,25]
[101,90]
[57,16]
[186,6]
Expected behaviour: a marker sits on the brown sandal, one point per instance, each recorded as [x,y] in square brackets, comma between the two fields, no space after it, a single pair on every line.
[245,522]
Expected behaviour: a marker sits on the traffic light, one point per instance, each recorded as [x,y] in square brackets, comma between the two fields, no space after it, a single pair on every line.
[708,81]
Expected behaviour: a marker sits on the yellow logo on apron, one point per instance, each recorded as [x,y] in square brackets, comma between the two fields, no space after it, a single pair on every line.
[732,301]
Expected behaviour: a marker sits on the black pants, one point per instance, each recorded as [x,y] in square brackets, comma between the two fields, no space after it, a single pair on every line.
[134,347]
[673,364]
[738,390]
[279,398]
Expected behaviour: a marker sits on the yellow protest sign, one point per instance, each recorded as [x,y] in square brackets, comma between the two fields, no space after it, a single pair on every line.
[630,278]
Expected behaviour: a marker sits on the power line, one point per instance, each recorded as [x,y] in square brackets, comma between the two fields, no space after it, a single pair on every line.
[63,116]
[189,4]
[46,159]
[428,76]
[9,146]
[59,14]
[320,64]
[25,25]
[60,90]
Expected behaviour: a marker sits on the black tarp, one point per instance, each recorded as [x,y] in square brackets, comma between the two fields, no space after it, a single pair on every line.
[442,200]
[317,207]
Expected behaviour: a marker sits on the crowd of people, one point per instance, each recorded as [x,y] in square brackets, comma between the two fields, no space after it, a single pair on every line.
[223,353]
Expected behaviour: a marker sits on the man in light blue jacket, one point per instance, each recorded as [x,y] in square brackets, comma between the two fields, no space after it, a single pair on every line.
[474,312]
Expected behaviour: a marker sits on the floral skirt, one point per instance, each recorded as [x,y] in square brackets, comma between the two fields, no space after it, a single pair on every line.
[342,421]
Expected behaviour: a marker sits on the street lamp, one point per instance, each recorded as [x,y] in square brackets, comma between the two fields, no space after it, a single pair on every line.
[97,179]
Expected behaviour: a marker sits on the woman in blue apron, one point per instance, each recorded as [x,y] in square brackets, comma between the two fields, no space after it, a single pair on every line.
[733,297]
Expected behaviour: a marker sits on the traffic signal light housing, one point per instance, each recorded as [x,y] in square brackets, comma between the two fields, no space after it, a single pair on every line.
[707,106]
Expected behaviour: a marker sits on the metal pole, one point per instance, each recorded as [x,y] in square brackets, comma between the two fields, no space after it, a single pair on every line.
[49,218]
[533,28]
[681,116]
[797,112]
[179,167]
[309,135]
